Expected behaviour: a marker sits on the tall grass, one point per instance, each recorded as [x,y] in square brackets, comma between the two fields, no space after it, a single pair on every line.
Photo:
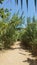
[29,38]
[8,31]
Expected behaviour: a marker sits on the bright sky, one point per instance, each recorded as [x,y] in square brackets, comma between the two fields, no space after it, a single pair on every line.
[10,4]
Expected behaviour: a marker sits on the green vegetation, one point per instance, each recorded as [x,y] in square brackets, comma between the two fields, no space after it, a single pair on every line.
[9,32]
[29,38]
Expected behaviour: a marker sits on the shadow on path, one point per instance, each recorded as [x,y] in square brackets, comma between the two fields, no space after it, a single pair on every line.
[31,61]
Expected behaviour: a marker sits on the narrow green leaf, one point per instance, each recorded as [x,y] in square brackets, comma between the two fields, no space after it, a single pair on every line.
[27,4]
[16,2]
[21,3]
[35,4]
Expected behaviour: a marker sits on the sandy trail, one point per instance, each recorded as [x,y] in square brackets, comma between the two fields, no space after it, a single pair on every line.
[17,56]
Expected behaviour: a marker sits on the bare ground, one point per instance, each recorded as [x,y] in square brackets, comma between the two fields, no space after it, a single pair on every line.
[17,56]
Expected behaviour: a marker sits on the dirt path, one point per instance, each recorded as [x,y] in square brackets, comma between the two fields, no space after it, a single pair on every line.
[17,56]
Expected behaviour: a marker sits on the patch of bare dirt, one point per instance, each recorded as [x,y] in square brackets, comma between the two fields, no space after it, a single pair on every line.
[17,56]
